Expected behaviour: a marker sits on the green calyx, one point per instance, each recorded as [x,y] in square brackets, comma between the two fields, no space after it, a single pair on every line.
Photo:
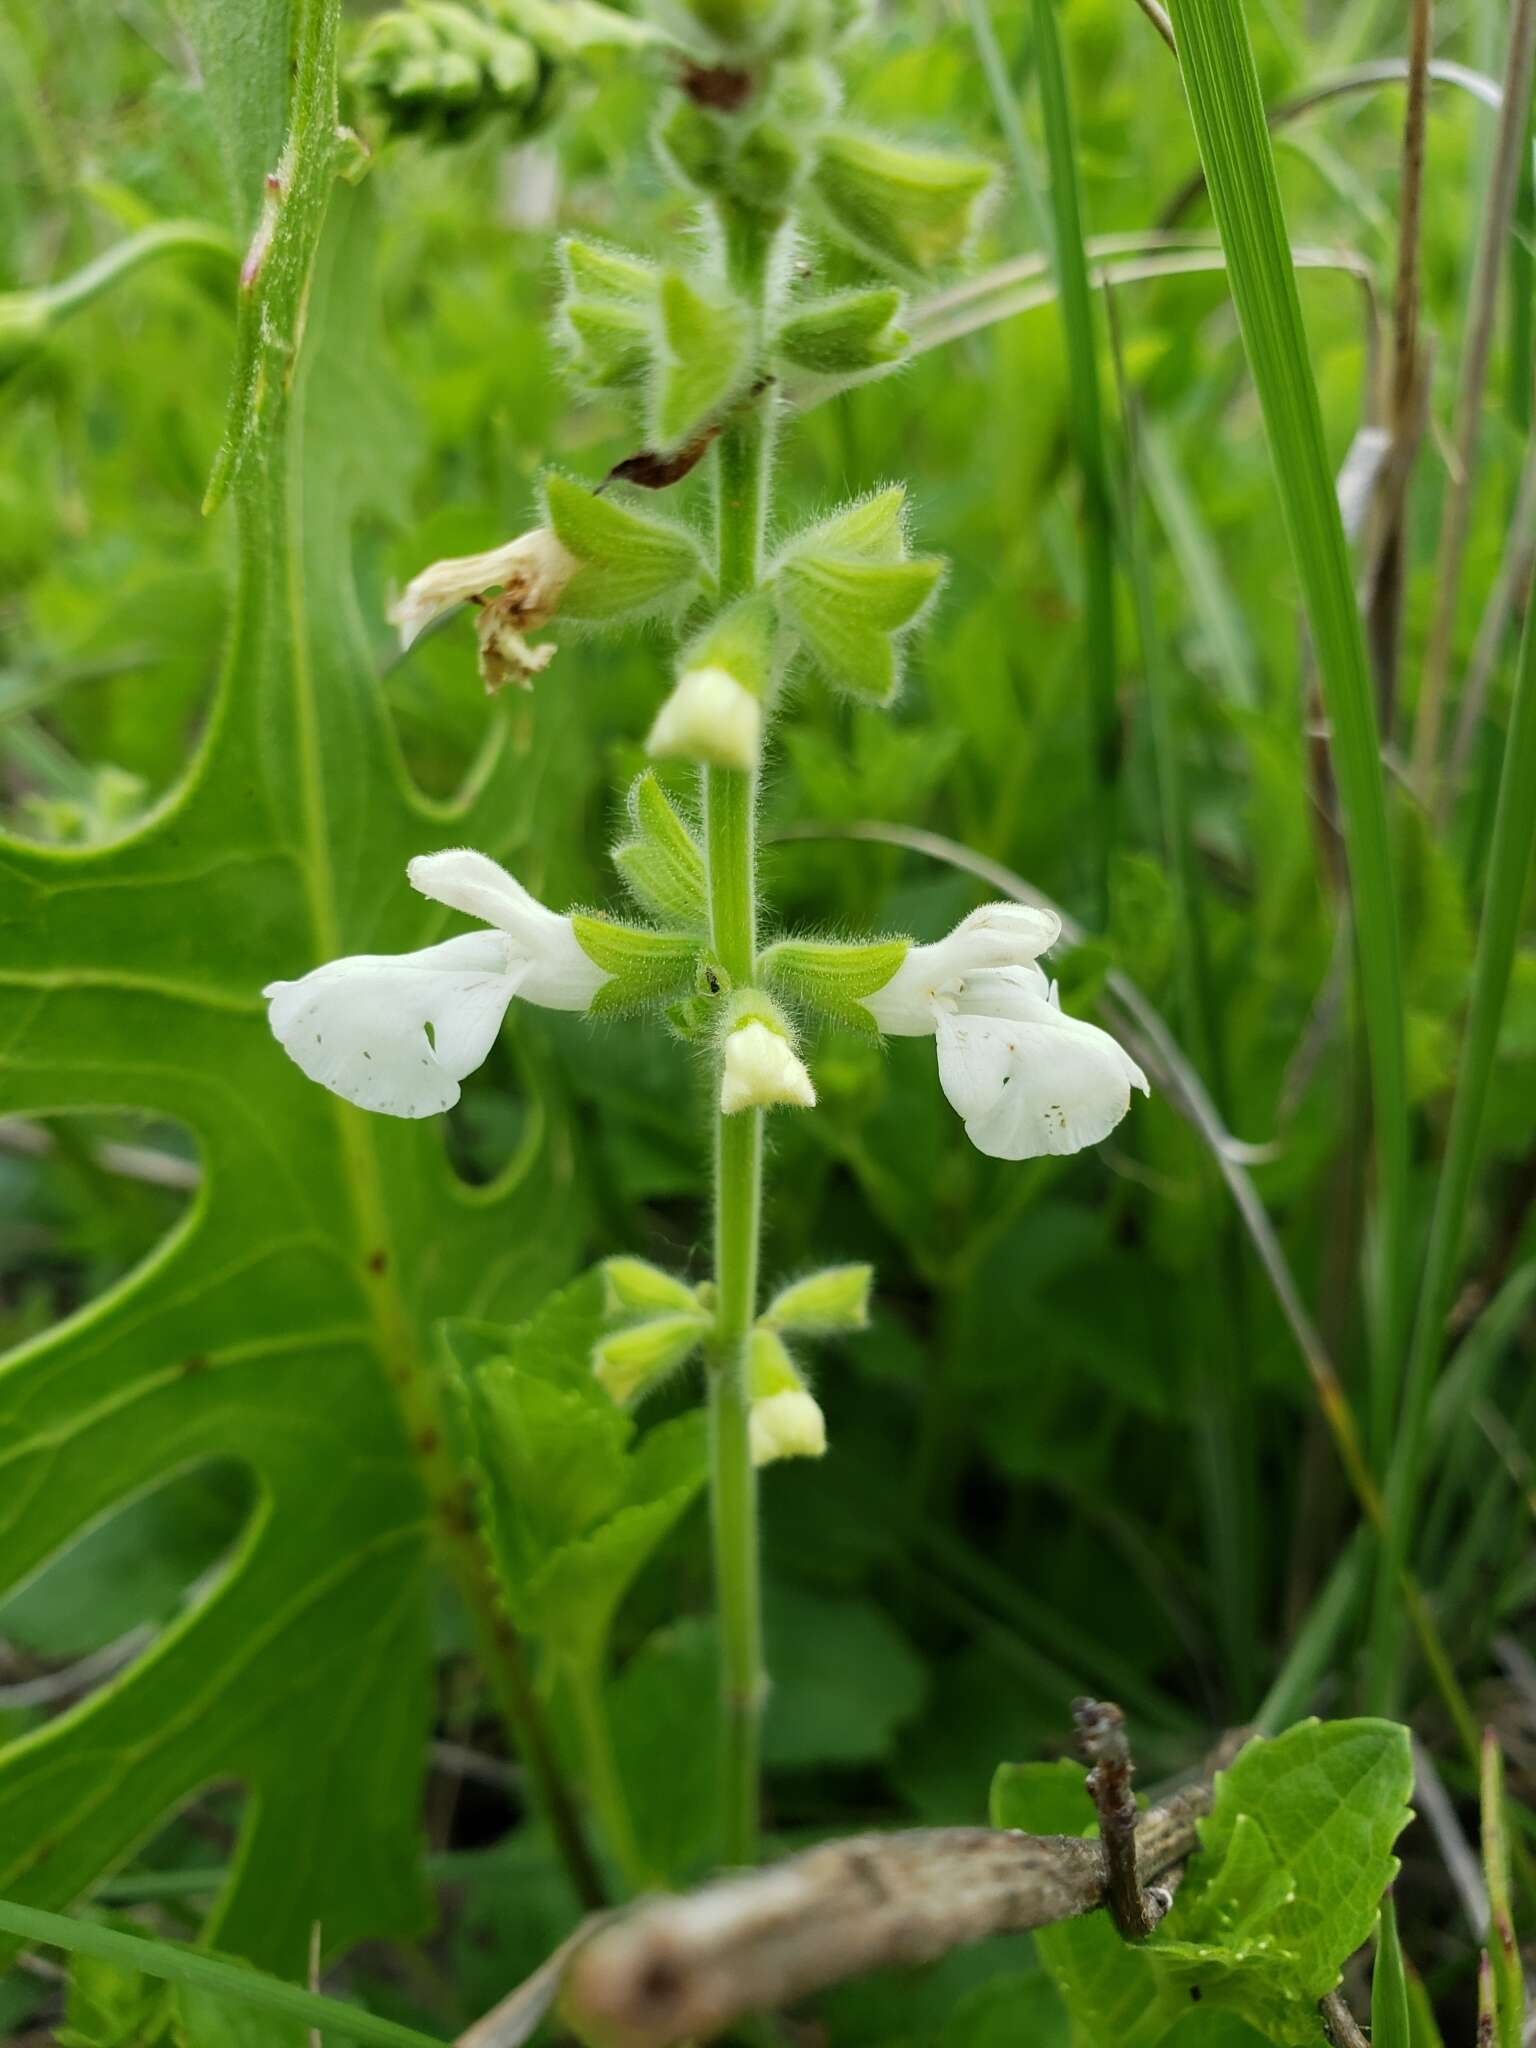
[833,979]
[607,313]
[741,640]
[824,1304]
[849,588]
[844,336]
[631,1362]
[703,356]
[661,863]
[635,1287]
[646,967]
[633,564]
[909,209]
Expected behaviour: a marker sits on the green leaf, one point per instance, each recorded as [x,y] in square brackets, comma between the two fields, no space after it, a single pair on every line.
[666,1738]
[1331,1799]
[846,1680]
[628,1363]
[575,1503]
[841,336]
[703,357]
[834,978]
[647,966]
[1294,1859]
[282,1324]
[662,866]
[633,563]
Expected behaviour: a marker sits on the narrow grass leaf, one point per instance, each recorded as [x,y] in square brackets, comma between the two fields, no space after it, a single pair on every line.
[1390,2026]
[1087,426]
[208,1973]
[1229,119]
[1509,867]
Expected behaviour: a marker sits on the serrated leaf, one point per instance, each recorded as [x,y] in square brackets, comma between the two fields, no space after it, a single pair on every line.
[662,866]
[841,336]
[271,1327]
[1331,1798]
[703,356]
[569,1543]
[834,978]
[632,562]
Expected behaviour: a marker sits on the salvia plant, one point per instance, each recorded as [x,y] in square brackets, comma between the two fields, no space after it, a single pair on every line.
[370,1338]
[710,349]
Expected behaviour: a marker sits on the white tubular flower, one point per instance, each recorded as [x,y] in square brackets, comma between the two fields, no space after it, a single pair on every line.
[762,1068]
[787,1425]
[397,1032]
[531,573]
[1026,1079]
[997,935]
[708,717]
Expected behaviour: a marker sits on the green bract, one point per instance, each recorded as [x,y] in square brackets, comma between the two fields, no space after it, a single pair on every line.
[662,865]
[914,209]
[633,564]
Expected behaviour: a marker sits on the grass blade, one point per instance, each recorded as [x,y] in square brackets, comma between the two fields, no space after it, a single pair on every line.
[1087,426]
[1508,1982]
[210,1973]
[1389,1985]
[1509,867]
[1476,350]
[1228,114]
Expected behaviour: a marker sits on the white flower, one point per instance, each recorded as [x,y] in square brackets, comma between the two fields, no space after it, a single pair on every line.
[397,1032]
[1026,1078]
[761,1068]
[997,935]
[708,717]
[786,1425]
[531,573]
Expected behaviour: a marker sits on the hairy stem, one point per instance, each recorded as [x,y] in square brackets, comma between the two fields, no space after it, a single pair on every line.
[730,804]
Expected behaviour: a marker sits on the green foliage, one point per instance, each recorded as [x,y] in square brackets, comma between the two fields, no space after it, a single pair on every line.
[575,1500]
[844,335]
[1294,1859]
[280,1324]
[913,209]
[646,967]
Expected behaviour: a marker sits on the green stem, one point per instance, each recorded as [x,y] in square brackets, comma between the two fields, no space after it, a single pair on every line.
[584,1681]
[730,805]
